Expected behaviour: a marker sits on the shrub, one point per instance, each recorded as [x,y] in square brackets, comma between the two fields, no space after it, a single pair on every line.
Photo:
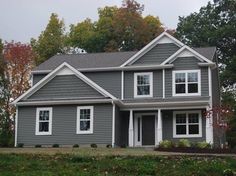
[93,145]
[38,146]
[166,144]
[20,145]
[203,145]
[184,143]
[55,145]
[228,172]
[109,146]
[76,146]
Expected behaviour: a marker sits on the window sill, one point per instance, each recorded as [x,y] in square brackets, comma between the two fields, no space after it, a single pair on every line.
[187,136]
[82,132]
[186,95]
[43,134]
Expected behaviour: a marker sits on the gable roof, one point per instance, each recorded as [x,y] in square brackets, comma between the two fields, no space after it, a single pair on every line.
[50,76]
[87,60]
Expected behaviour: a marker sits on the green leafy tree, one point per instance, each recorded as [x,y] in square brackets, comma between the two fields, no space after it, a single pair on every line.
[51,41]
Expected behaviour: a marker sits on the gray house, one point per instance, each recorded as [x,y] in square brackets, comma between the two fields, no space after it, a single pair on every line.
[122,98]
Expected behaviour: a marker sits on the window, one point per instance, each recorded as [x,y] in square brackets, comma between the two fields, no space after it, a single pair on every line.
[85,120]
[43,121]
[186,82]
[187,124]
[143,84]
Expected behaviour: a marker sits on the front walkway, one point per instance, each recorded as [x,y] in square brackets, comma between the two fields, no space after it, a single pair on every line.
[101,152]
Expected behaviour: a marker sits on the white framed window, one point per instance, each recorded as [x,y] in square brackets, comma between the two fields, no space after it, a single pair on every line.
[187,124]
[85,119]
[186,83]
[143,84]
[43,121]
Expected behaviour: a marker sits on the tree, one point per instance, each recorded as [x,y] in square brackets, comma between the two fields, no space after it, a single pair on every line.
[153,26]
[51,41]
[117,29]
[16,64]
[214,25]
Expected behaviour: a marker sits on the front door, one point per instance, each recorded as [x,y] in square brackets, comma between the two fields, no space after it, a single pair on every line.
[144,132]
[148,130]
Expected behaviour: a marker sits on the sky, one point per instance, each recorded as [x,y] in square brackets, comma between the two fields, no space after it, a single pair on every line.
[21,20]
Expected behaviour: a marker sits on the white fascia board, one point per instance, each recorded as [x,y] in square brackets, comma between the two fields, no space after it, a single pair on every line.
[149,46]
[64,102]
[140,67]
[54,73]
[181,50]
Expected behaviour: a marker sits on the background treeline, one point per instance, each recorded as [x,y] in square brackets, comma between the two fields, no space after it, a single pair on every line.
[118,29]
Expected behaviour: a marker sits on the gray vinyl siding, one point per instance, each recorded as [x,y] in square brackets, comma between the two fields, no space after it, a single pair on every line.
[187,63]
[66,86]
[37,78]
[129,84]
[167,122]
[158,54]
[64,126]
[110,81]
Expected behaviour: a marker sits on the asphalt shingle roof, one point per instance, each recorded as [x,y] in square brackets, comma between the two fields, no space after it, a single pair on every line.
[99,60]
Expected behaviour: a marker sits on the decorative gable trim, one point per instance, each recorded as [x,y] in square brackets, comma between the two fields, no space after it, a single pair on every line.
[63,69]
[164,37]
[183,52]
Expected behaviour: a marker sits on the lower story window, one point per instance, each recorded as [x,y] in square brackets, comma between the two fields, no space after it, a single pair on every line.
[43,121]
[84,119]
[187,124]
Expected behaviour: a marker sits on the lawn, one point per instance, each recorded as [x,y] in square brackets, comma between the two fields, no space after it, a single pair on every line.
[108,162]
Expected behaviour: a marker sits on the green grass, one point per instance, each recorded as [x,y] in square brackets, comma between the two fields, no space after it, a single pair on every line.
[76,164]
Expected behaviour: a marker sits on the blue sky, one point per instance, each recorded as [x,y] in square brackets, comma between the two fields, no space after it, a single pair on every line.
[21,20]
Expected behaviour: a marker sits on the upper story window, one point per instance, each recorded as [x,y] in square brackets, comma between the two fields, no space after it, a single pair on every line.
[187,124]
[43,121]
[186,83]
[85,120]
[143,84]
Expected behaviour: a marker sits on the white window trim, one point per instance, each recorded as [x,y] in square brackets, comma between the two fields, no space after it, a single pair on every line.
[78,131]
[187,124]
[37,132]
[150,74]
[186,83]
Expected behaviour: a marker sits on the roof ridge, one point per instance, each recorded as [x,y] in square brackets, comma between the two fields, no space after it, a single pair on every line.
[95,53]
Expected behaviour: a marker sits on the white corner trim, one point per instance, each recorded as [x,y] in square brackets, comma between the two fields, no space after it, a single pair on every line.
[187,135]
[150,74]
[16,126]
[159,127]
[174,94]
[149,46]
[37,132]
[163,84]
[182,52]
[210,84]
[113,123]
[51,75]
[122,85]
[78,131]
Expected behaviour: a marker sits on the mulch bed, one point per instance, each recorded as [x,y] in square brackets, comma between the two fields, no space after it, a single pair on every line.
[197,150]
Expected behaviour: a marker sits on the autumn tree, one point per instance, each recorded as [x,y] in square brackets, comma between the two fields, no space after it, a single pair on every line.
[51,41]
[117,29]
[17,61]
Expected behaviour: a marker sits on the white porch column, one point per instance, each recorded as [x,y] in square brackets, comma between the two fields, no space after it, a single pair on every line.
[159,127]
[209,129]
[131,129]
